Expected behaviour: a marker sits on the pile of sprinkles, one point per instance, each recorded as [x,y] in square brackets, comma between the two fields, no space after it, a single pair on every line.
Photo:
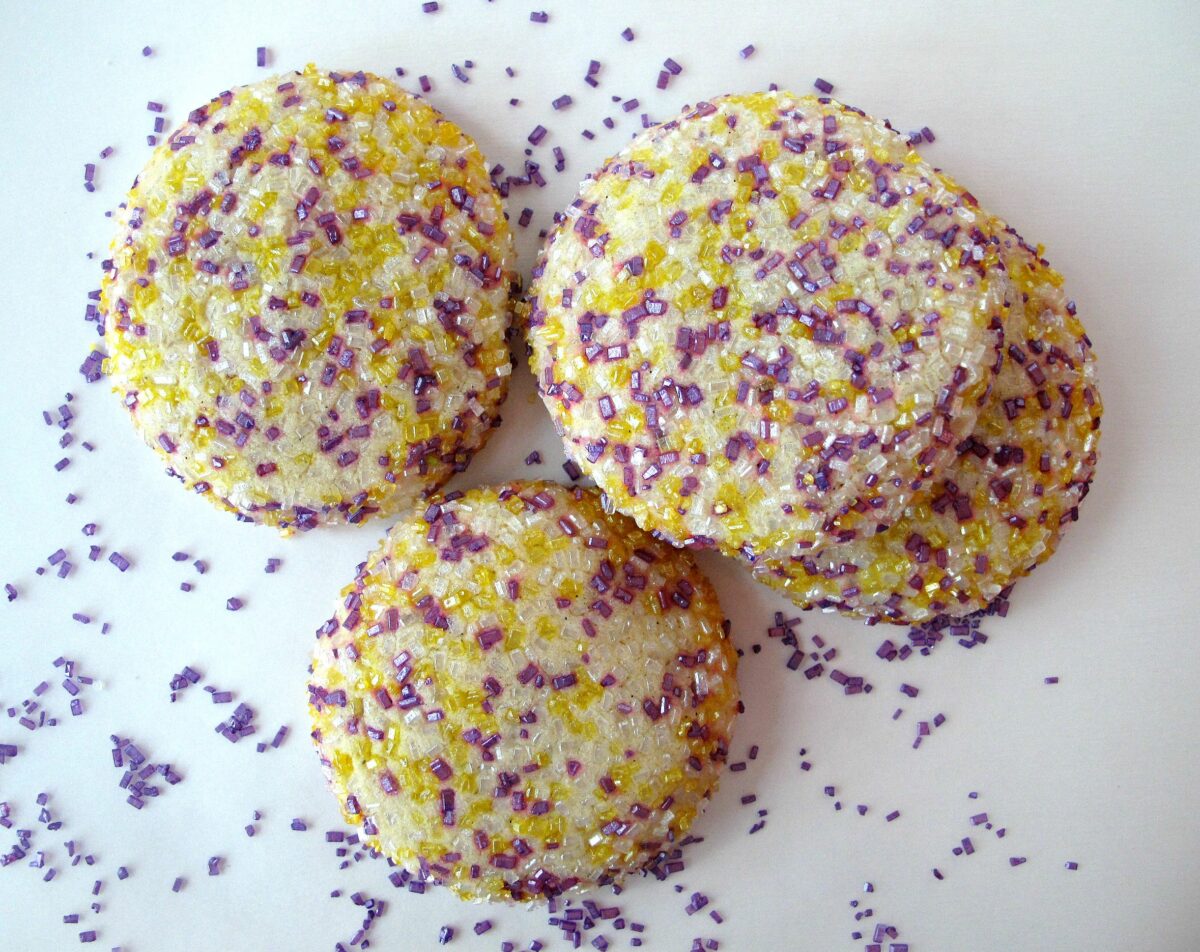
[879,936]
[139,772]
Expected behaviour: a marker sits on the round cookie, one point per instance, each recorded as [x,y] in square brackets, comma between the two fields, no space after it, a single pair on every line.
[765,324]
[522,693]
[307,302]
[1002,507]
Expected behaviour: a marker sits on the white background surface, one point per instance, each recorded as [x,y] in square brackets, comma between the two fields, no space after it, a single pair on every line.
[1078,122]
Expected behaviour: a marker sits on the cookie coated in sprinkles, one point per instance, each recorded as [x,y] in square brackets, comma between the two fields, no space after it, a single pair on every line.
[307,302]
[521,693]
[1002,507]
[765,324]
